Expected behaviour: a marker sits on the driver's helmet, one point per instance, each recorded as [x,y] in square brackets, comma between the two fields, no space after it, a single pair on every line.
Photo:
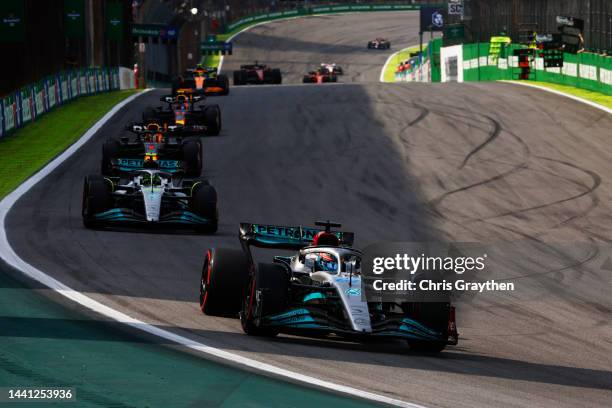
[325,262]
[182,101]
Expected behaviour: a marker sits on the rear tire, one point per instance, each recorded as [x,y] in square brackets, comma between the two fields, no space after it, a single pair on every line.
[238,79]
[212,119]
[149,115]
[277,77]
[272,283]
[224,83]
[224,277]
[96,198]
[192,157]
[110,149]
[204,204]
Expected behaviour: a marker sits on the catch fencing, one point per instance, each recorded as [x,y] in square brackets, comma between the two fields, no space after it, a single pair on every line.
[301,12]
[28,103]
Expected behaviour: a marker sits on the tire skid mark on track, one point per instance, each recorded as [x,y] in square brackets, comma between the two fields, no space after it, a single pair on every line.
[596,179]
[523,165]
[494,134]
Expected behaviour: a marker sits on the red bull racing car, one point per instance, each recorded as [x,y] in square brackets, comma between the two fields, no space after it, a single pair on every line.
[257,74]
[184,111]
[315,292]
[152,146]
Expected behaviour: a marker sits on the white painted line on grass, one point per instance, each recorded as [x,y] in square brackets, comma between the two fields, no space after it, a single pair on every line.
[576,98]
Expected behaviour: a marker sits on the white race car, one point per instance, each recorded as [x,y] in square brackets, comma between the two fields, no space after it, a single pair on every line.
[379,44]
[332,68]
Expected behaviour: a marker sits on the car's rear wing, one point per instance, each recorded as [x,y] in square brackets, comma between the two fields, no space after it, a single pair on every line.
[284,237]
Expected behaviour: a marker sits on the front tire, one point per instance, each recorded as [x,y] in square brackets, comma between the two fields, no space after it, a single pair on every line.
[224,276]
[435,316]
[192,157]
[96,198]
[204,204]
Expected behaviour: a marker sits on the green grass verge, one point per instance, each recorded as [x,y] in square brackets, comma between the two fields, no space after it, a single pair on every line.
[592,96]
[402,55]
[28,149]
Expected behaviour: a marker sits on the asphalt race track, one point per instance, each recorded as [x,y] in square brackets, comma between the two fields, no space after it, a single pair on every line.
[488,162]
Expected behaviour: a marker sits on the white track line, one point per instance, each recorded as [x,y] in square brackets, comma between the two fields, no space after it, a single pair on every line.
[12,258]
[576,98]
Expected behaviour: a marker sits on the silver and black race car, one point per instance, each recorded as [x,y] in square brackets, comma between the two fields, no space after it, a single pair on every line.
[316,292]
[379,44]
[149,197]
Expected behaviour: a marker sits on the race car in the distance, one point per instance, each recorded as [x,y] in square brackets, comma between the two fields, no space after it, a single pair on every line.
[149,197]
[185,110]
[319,76]
[205,80]
[315,292]
[257,74]
[379,44]
[166,148]
[332,68]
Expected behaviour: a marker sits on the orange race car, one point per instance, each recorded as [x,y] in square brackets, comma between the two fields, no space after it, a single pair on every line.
[204,80]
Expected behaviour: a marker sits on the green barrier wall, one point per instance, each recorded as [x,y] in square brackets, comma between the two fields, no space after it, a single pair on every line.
[588,71]
[301,12]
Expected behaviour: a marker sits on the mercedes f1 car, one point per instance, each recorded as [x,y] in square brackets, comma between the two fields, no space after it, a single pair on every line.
[332,68]
[320,76]
[379,44]
[149,197]
[204,80]
[185,111]
[316,292]
[257,74]
[152,145]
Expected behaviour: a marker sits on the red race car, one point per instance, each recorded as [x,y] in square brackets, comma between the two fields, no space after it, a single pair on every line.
[321,75]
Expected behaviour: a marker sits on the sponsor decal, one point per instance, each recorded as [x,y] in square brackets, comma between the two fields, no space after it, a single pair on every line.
[588,72]
[353,292]
[570,69]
